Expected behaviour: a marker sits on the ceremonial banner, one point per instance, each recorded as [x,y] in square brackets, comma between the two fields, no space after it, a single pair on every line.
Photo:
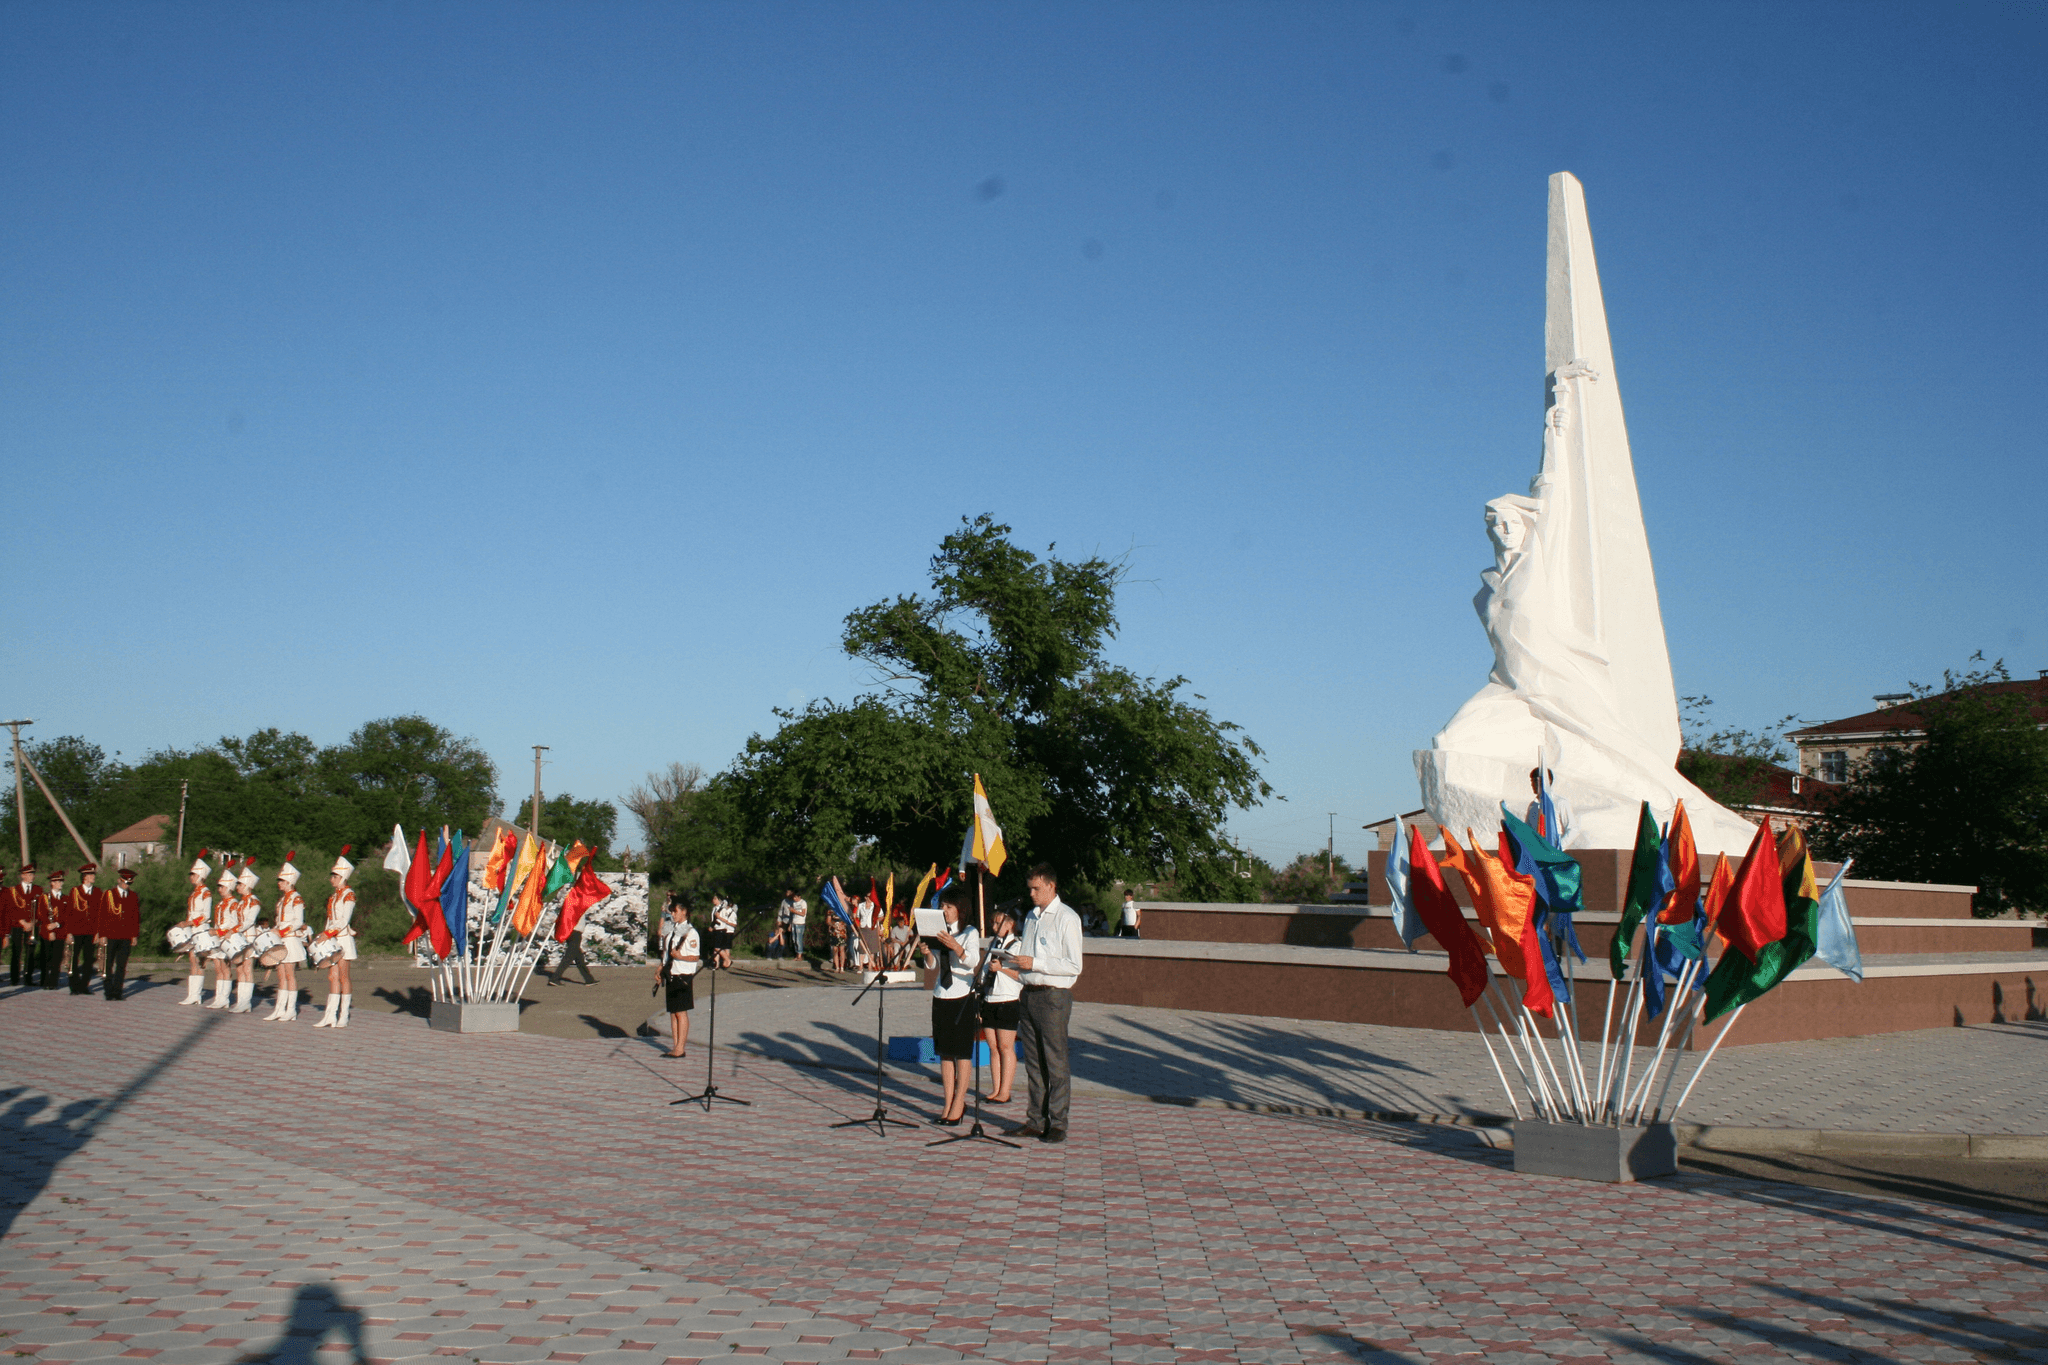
[454,898]
[984,842]
[586,891]
[1445,921]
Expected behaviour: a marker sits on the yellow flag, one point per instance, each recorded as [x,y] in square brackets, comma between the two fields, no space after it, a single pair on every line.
[533,895]
[984,835]
[888,900]
[923,886]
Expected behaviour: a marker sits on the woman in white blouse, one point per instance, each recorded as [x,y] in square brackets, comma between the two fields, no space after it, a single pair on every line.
[953,957]
[680,959]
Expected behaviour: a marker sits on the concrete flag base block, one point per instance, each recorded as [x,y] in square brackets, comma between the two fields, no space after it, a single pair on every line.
[1614,1155]
[493,1016]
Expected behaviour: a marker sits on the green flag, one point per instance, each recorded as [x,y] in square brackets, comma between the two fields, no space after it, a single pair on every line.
[1736,980]
[560,874]
[1642,889]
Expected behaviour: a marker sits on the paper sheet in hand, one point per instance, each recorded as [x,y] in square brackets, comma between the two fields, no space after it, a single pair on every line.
[930,922]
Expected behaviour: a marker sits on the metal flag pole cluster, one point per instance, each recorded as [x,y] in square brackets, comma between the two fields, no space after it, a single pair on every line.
[1768,918]
[483,923]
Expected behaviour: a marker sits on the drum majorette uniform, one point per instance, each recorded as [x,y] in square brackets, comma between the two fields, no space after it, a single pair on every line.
[50,932]
[78,920]
[198,915]
[119,922]
[247,908]
[18,904]
[226,915]
[341,909]
[290,923]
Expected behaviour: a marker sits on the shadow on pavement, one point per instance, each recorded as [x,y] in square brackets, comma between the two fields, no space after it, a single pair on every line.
[317,1309]
[2012,1187]
[1982,1337]
[417,1001]
[36,1145]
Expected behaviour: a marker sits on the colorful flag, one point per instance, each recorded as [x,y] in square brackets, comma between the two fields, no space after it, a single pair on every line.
[430,900]
[1683,858]
[1754,913]
[1837,938]
[1406,923]
[1445,921]
[419,870]
[1537,961]
[1464,864]
[577,853]
[502,856]
[587,890]
[515,878]
[984,842]
[1737,980]
[1557,876]
[929,877]
[1510,898]
[835,901]
[533,893]
[1717,893]
[1642,891]
[396,858]
[560,874]
[455,897]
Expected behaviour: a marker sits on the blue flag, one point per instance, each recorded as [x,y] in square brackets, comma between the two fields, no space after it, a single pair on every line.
[830,895]
[455,896]
[1837,937]
[1407,923]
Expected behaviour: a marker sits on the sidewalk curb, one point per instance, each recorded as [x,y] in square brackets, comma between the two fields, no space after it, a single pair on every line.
[1704,1137]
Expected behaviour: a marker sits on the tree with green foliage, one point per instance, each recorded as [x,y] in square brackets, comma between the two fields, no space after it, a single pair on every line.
[999,670]
[1732,766]
[1311,879]
[566,820]
[1967,804]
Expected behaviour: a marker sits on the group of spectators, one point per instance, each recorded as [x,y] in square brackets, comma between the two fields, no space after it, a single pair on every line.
[849,952]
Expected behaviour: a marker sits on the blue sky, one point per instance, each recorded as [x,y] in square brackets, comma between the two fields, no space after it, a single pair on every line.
[567,372]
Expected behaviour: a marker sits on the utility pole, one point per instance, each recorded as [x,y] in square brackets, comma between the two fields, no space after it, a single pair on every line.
[184,785]
[1330,851]
[20,792]
[538,750]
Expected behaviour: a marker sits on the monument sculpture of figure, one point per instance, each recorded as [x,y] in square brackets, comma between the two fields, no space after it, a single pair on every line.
[1581,674]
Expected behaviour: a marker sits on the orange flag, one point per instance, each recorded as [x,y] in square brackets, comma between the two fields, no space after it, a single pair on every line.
[1685,871]
[1509,897]
[501,862]
[577,853]
[1717,892]
[533,895]
[1461,862]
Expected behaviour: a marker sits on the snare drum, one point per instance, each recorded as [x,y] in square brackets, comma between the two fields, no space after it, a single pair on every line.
[203,942]
[268,946]
[181,935]
[233,945]
[321,949]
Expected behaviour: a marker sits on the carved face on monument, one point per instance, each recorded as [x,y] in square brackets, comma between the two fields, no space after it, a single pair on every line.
[1510,521]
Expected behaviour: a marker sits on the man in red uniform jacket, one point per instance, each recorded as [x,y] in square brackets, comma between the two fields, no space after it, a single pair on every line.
[80,921]
[18,909]
[118,923]
[50,932]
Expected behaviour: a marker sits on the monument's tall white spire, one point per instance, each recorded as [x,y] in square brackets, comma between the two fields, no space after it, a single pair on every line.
[1581,674]
[1619,607]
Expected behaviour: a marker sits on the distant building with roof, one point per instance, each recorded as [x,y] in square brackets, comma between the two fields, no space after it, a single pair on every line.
[144,841]
[1833,750]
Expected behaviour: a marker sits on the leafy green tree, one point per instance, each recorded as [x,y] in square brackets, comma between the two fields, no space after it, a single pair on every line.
[1968,805]
[1309,879]
[79,775]
[999,670]
[1732,766]
[564,819]
[408,771]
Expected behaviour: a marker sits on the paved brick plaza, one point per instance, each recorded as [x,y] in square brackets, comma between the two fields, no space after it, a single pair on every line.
[204,1188]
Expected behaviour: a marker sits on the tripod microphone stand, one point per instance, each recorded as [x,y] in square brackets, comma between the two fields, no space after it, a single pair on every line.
[880,1118]
[710,1091]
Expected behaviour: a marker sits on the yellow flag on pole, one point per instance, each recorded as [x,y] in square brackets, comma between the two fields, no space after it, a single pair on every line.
[984,843]
[923,886]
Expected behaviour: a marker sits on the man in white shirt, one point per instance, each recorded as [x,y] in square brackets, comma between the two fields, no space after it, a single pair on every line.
[1049,959]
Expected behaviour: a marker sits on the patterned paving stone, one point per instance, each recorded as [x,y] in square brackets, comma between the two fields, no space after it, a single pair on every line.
[505,1199]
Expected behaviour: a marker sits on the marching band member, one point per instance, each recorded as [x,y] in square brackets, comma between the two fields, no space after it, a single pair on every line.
[290,923]
[20,912]
[247,908]
[225,913]
[198,911]
[50,930]
[120,921]
[341,907]
[81,913]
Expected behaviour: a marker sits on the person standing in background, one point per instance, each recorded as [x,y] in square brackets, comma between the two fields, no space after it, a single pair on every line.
[118,923]
[340,932]
[799,911]
[725,927]
[81,923]
[198,912]
[20,909]
[1049,960]
[1127,926]
[50,910]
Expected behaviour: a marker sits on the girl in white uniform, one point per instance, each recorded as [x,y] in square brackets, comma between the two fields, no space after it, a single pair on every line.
[1001,990]
[290,923]
[224,918]
[680,960]
[198,914]
[341,908]
[247,908]
[953,957]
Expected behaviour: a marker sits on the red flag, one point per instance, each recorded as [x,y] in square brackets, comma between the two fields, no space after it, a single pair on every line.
[1754,913]
[1685,871]
[1445,921]
[423,882]
[417,874]
[586,891]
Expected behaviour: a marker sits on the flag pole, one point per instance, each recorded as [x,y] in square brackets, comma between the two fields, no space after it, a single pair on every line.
[1492,1056]
[1720,1038]
[1692,1016]
[1683,988]
[1539,1107]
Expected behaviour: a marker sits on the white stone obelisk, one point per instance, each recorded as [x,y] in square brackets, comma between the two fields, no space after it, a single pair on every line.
[1581,673]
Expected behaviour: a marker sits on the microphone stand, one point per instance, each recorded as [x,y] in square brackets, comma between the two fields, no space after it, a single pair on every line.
[710,1091]
[979,993]
[880,1118]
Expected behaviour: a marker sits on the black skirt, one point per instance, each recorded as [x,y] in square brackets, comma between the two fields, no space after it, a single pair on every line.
[999,1014]
[953,1028]
[682,994]
[718,940]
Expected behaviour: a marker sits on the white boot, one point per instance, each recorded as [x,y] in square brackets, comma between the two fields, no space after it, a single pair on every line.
[276,1006]
[195,991]
[221,985]
[290,1006]
[245,992]
[341,1021]
[333,1004]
